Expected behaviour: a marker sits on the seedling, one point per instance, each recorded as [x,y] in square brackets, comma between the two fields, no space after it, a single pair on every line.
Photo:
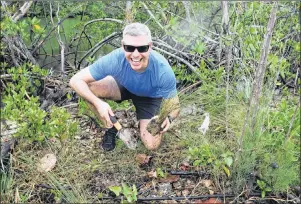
[167,106]
[129,193]
[263,187]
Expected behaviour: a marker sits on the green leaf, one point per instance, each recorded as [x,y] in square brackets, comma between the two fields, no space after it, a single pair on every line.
[160,173]
[115,189]
[99,195]
[126,189]
[228,161]
[226,170]
[262,194]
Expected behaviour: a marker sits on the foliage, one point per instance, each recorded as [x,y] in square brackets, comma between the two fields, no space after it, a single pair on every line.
[23,107]
[263,187]
[208,155]
[129,193]
[6,184]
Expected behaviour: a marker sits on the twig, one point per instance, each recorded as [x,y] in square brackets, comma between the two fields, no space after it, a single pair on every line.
[98,46]
[88,23]
[292,122]
[171,48]
[22,11]
[192,68]
[152,15]
[189,87]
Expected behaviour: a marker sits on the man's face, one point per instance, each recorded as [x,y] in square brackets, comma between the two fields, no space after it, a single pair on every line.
[138,60]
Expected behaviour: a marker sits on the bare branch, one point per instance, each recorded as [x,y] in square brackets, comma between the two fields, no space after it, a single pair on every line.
[96,47]
[258,82]
[192,68]
[152,15]
[187,7]
[22,11]
[128,12]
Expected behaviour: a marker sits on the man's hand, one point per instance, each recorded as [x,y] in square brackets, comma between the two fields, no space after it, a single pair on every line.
[165,125]
[104,111]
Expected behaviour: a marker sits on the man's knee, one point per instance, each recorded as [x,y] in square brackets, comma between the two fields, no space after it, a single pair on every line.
[105,88]
[149,141]
[151,146]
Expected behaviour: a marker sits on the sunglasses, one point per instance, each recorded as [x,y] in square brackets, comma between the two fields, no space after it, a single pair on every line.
[130,48]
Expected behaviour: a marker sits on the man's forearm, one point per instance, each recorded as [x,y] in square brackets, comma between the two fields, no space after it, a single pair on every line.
[82,89]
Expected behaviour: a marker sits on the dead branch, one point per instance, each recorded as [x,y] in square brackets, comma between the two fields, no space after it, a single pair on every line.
[152,15]
[22,11]
[83,31]
[96,47]
[128,12]
[225,31]
[260,72]
[189,87]
[173,49]
[256,92]
[186,5]
[192,68]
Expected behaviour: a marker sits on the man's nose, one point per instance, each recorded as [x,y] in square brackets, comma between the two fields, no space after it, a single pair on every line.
[136,53]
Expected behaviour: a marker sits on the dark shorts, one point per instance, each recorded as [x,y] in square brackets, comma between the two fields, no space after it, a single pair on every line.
[146,107]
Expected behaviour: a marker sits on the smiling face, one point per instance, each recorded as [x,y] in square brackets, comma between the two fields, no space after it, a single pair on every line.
[137,60]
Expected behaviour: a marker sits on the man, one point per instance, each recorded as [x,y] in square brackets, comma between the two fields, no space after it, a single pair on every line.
[135,72]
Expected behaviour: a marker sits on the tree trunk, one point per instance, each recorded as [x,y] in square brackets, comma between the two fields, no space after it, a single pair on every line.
[260,72]
[128,12]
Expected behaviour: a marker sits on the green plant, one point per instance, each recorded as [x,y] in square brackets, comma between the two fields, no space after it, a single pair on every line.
[263,187]
[129,193]
[23,107]
[6,184]
[205,155]
[160,173]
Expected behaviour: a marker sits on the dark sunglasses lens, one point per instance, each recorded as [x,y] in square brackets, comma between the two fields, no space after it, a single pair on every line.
[143,48]
[129,48]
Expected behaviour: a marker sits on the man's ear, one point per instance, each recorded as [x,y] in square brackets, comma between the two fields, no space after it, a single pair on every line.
[150,44]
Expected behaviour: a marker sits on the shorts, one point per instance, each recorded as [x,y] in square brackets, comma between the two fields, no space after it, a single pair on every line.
[146,107]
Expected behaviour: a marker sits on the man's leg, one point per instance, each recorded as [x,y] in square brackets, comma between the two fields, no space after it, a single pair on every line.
[146,108]
[106,88]
[150,142]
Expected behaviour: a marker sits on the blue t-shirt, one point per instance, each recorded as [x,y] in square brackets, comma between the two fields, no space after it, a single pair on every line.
[156,81]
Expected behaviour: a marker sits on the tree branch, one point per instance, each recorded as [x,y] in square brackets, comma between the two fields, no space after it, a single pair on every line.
[96,47]
[22,11]
[192,68]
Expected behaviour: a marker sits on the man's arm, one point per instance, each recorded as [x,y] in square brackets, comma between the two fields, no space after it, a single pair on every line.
[173,102]
[79,83]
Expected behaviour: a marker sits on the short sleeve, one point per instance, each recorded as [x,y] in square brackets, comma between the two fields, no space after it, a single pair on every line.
[168,85]
[106,65]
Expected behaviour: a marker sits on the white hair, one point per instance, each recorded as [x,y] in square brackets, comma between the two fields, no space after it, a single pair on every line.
[137,29]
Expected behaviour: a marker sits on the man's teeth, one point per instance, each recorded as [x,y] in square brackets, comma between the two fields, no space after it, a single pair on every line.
[136,60]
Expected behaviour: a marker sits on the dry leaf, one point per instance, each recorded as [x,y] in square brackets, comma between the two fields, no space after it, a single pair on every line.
[17,196]
[184,166]
[185,192]
[207,183]
[211,192]
[152,174]
[47,163]
[143,158]
[212,200]
[170,179]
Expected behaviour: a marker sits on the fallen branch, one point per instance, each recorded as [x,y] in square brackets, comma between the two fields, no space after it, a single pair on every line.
[96,47]
[22,11]
[192,68]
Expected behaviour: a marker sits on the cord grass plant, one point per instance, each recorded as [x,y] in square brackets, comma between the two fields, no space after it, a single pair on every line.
[167,106]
